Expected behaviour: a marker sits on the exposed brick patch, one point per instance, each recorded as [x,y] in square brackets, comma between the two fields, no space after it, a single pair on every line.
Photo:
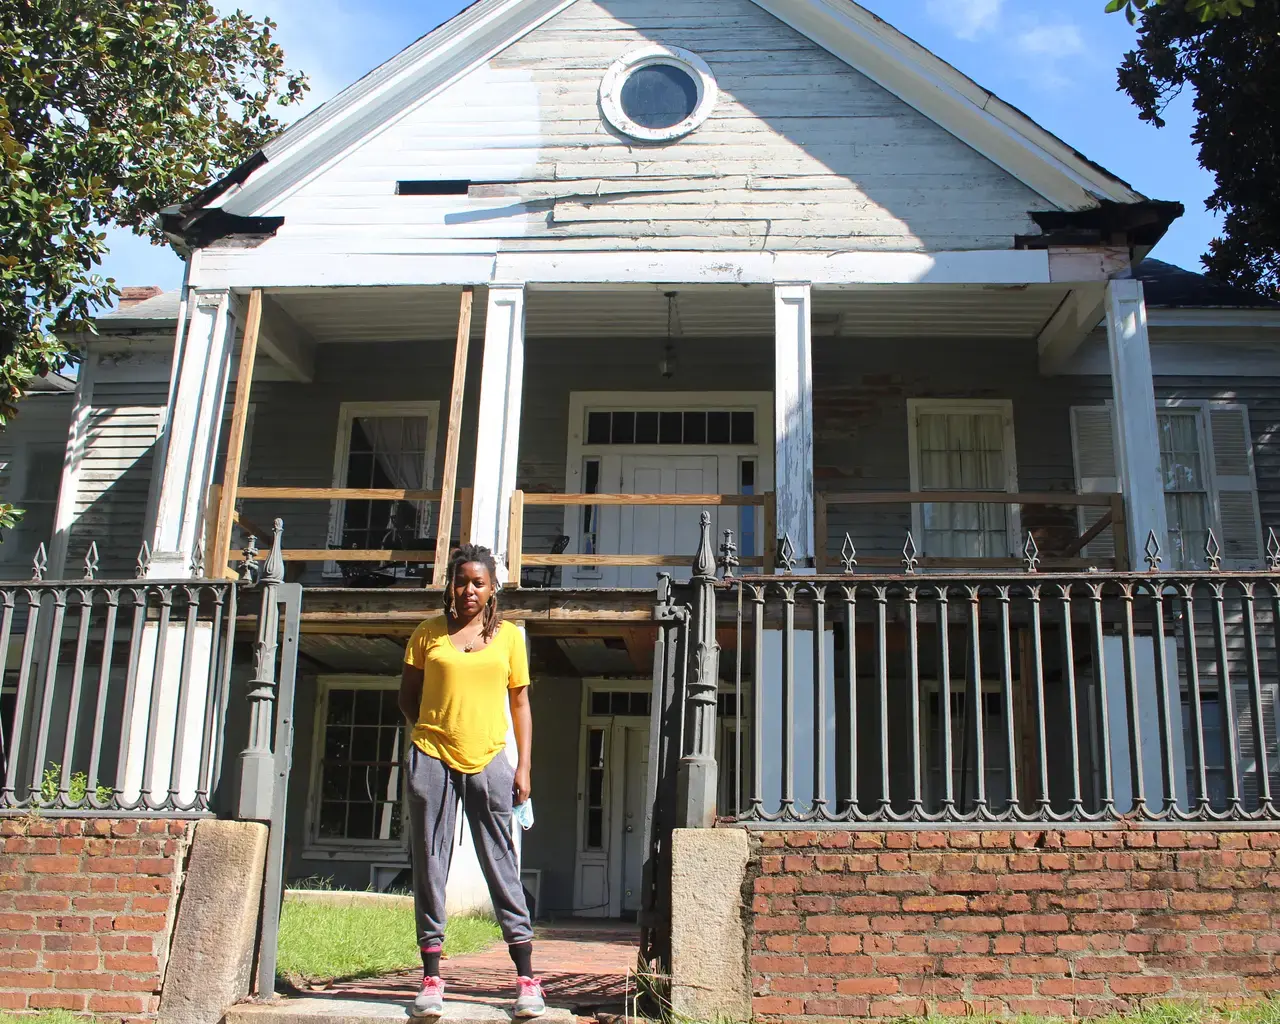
[86,910]
[1048,922]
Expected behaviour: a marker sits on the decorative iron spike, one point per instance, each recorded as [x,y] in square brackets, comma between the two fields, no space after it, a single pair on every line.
[273,568]
[1153,558]
[91,561]
[1273,550]
[910,561]
[249,568]
[787,554]
[848,555]
[1031,554]
[39,564]
[144,561]
[1213,552]
[704,559]
[197,559]
[728,555]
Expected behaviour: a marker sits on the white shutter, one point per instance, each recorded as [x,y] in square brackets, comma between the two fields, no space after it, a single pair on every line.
[1235,493]
[1093,445]
[1250,785]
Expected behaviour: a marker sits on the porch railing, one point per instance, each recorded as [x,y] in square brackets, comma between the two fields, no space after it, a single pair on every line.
[1068,555]
[886,699]
[518,559]
[404,554]
[121,694]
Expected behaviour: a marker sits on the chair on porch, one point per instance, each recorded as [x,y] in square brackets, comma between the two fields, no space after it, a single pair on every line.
[542,576]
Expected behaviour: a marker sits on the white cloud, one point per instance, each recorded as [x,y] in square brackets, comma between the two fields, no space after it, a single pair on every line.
[967,19]
[1051,40]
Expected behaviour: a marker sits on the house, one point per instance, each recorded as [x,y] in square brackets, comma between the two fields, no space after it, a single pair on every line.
[565,274]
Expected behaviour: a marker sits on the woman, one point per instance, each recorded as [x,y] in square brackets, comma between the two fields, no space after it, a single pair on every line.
[459,672]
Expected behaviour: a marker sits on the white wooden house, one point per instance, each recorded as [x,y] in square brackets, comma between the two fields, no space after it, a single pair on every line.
[768,257]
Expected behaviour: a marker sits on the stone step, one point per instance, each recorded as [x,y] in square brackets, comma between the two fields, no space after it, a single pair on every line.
[321,1010]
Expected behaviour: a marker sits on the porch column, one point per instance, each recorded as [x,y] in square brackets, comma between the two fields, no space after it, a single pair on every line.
[1134,417]
[498,430]
[793,419]
[190,443]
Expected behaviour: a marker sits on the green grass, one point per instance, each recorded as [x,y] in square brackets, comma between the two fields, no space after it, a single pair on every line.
[42,1017]
[319,941]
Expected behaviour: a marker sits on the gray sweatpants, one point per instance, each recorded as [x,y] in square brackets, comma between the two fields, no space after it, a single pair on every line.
[435,791]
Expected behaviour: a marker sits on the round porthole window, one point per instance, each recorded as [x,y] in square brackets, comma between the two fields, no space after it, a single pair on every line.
[658,93]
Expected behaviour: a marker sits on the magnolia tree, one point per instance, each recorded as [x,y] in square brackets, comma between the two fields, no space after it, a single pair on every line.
[111,110]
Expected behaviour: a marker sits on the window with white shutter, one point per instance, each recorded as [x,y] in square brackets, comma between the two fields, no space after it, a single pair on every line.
[1095,459]
[1236,491]
[1206,461]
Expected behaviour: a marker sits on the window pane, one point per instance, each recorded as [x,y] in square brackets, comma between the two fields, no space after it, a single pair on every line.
[646,428]
[718,428]
[671,429]
[695,428]
[744,428]
[659,96]
[624,428]
[598,428]
[599,703]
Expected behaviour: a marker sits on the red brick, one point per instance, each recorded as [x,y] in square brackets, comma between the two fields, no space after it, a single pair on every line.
[972,965]
[1038,965]
[1036,923]
[1202,901]
[963,840]
[157,923]
[1103,922]
[102,1003]
[51,901]
[904,965]
[1142,985]
[867,986]
[777,1005]
[1031,881]
[933,904]
[1218,984]
[777,964]
[73,1001]
[793,984]
[1108,965]
[51,865]
[1072,987]
[845,943]
[1003,987]
[17,922]
[1077,839]
[134,962]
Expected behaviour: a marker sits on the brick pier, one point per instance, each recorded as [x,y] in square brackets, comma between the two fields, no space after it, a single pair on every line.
[883,924]
[86,911]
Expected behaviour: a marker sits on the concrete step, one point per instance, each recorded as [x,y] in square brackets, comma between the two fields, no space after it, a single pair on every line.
[321,1010]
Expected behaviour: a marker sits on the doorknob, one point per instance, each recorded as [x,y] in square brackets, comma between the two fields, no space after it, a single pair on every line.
[630,828]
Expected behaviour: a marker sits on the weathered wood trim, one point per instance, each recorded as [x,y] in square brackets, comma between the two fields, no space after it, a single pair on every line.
[276,266]
[1095,531]
[64,514]
[498,430]
[1134,414]
[756,500]
[1064,498]
[219,552]
[793,416]
[337,493]
[1074,321]
[453,437]
[284,342]
[515,538]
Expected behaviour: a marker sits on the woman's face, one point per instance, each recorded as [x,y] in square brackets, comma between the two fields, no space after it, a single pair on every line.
[472,588]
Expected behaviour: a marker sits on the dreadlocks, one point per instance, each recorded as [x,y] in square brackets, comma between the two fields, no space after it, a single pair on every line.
[474,553]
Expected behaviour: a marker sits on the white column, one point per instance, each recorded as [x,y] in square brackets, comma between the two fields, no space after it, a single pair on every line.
[1134,418]
[793,417]
[190,443]
[69,488]
[498,430]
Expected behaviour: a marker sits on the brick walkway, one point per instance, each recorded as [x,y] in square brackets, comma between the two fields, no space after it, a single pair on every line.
[584,967]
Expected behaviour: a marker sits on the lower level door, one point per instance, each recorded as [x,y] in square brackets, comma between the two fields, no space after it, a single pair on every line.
[631,839]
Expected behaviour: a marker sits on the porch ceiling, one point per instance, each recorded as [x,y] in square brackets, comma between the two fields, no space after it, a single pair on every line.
[414,314]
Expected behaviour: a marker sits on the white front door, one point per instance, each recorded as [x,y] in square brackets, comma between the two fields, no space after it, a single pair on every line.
[631,821]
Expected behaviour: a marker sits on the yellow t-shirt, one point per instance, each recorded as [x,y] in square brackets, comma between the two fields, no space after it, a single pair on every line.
[462,720]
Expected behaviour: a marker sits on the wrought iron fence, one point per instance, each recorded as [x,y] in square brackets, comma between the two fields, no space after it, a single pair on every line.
[115,692]
[879,699]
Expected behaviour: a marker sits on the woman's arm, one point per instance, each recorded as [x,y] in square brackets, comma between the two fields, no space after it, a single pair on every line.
[522,720]
[411,694]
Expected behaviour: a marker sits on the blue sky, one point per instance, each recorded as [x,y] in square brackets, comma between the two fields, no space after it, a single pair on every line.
[1053,59]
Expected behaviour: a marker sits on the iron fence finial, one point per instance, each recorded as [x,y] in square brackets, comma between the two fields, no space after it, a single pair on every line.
[1213,552]
[144,561]
[249,567]
[848,555]
[197,559]
[1273,550]
[910,561]
[91,561]
[729,555]
[1031,553]
[787,554]
[1153,558]
[273,570]
[39,564]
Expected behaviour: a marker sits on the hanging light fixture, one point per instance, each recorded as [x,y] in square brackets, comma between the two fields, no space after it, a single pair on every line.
[667,364]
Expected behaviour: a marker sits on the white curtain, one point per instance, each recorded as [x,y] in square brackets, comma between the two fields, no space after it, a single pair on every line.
[400,447]
[963,452]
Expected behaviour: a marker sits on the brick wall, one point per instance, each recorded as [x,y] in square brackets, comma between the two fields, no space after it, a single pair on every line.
[86,911]
[1055,922]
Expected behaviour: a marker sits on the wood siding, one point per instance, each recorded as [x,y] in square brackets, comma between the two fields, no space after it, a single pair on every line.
[801,152]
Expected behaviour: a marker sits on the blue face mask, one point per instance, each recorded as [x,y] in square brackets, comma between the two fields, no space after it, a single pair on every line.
[523,814]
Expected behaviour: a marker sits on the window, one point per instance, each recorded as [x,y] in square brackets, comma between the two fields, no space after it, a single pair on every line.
[596,747]
[1186,486]
[658,93]
[384,446]
[39,475]
[358,772]
[963,446]
[1206,462]
[633,703]
[650,427]
[747,514]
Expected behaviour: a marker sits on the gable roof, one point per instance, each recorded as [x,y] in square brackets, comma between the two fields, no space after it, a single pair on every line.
[1174,288]
[903,67]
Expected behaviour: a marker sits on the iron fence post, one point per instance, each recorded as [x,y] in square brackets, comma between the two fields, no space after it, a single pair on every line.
[697,775]
[257,760]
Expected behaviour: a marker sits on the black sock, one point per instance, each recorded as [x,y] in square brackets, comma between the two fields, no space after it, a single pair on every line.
[522,957]
[431,962]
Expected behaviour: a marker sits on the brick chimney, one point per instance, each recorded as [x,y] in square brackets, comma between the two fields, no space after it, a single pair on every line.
[133,296]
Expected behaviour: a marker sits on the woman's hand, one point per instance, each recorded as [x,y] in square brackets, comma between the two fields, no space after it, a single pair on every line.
[521,787]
